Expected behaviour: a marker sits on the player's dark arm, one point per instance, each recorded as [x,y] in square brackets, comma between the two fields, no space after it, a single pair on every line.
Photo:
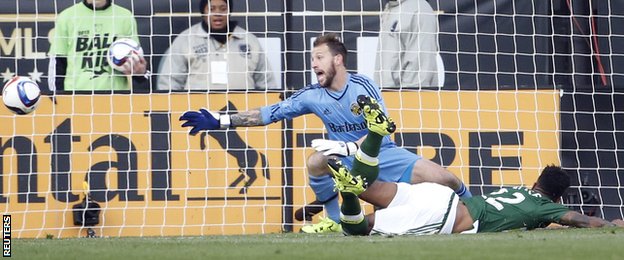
[247,118]
[575,219]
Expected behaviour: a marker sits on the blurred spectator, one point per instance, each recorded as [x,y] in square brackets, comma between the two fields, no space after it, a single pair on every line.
[82,35]
[408,45]
[215,54]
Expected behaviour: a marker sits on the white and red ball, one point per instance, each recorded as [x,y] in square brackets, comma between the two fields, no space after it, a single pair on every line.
[21,95]
[121,52]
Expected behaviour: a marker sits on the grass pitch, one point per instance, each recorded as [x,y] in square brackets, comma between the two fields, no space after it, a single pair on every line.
[605,243]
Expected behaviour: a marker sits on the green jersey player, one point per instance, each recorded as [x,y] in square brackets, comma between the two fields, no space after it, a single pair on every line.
[429,208]
[518,207]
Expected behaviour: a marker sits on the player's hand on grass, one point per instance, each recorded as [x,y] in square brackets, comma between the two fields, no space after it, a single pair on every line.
[331,147]
[204,120]
[618,222]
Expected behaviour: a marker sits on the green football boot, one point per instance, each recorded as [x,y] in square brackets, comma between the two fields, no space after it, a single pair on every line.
[376,119]
[343,180]
[326,225]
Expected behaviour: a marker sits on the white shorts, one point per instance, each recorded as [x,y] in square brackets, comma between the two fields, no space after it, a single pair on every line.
[418,209]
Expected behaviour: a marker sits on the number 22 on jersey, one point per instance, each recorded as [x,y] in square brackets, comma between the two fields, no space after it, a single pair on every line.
[497,202]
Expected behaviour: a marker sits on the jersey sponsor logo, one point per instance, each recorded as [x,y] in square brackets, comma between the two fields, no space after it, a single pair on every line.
[355,109]
[346,127]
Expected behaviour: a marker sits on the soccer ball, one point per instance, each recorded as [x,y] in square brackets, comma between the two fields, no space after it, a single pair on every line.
[21,95]
[121,52]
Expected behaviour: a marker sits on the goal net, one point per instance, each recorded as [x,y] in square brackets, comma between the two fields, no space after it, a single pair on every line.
[505,89]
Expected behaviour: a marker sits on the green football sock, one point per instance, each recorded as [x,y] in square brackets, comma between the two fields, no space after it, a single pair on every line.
[360,229]
[352,219]
[350,204]
[366,165]
[366,162]
[371,144]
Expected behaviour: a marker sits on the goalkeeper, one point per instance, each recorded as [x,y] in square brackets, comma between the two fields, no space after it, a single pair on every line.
[429,208]
[333,100]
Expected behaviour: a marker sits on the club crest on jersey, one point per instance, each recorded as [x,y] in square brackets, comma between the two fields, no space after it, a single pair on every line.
[355,109]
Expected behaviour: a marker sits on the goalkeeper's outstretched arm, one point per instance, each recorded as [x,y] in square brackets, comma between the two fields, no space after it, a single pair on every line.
[292,107]
[247,118]
[208,120]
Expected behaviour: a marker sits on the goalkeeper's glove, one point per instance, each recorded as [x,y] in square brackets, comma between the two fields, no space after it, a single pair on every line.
[204,120]
[330,147]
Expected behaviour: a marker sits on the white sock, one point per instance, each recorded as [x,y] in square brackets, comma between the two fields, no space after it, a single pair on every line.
[365,158]
[352,219]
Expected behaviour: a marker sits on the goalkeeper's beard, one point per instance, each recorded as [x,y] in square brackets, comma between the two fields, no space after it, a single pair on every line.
[330,74]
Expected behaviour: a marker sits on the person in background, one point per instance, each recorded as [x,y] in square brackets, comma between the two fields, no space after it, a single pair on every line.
[82,35]
[407,54]
[215,54]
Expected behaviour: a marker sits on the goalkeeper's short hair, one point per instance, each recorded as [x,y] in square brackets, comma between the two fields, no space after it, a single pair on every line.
[334,43]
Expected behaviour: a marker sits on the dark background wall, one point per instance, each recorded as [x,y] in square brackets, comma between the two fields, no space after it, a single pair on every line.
[500,44]
[573,46]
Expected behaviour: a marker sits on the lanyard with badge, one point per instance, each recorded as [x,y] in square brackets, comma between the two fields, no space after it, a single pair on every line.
[219,69]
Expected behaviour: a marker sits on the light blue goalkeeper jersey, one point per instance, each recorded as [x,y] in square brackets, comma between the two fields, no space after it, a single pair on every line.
[339,111]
